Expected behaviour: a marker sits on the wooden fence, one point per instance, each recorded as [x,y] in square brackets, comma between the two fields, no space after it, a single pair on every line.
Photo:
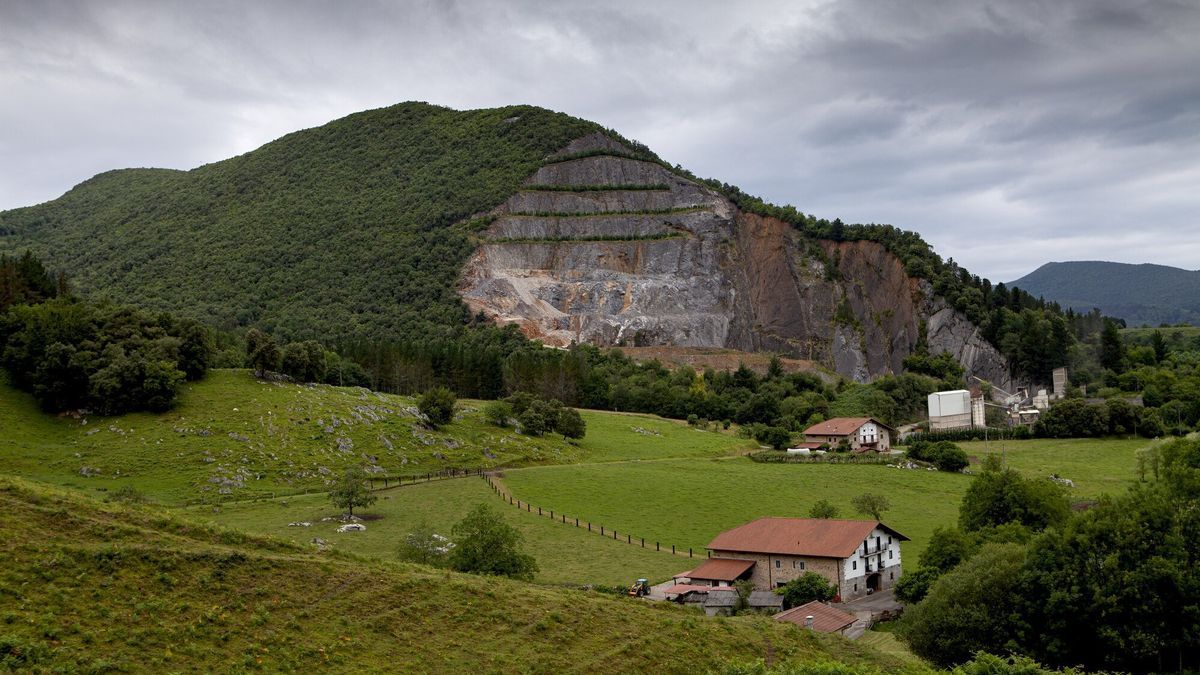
[571,521]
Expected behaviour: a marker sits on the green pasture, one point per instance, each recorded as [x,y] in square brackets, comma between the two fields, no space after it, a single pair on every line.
[234,437]
[687,502]
[1095,465]
[566,555]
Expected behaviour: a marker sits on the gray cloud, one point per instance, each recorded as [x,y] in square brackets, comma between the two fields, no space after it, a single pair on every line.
[1008,134]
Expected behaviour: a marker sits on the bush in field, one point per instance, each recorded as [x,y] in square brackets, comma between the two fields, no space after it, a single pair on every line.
[485,544]
[437,405]
[497,413]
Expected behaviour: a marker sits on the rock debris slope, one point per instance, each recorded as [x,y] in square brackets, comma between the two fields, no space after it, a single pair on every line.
[607,249]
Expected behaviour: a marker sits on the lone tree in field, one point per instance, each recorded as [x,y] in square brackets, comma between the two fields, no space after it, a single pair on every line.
[352,491]
[871,504]
[437,405]
[485,544]
[823,509]
[570,423]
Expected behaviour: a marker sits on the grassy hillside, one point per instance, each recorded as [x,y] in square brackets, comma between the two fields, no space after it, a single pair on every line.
[1140,294]
[234,437]
[565,555]
[334,232]
[92,587]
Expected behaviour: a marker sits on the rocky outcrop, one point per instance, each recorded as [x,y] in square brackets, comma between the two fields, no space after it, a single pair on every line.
[612,250]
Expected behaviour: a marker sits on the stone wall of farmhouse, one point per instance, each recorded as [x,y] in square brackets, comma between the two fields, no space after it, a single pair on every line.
[772,571]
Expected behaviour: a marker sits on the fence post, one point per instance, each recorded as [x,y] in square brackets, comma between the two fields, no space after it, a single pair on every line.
[689,552]
[551,514]
[576,522]
[643,542]
[656,547]
[589,526]
[528,507]
[539,510]
[629,539]
[601,530]
[672,549]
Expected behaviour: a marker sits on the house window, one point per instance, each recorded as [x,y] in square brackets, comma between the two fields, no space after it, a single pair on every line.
[890,556]
[855,588]
[891,575]
[853,564]
[778,564]
[889,541]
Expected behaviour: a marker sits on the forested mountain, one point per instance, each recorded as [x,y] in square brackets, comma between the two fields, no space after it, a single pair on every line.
[1140,294]
[343,230]
[375,227]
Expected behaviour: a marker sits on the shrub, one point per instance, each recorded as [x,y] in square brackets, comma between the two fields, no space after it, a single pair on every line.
[498,413]
[806,588]
[485,544]
[437,405]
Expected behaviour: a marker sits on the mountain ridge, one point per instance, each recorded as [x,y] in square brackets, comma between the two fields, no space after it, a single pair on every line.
[1141,293]
[361,229]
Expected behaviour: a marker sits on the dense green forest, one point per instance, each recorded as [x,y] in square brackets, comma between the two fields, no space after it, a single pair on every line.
[73,354]
[357,230]
[346,230]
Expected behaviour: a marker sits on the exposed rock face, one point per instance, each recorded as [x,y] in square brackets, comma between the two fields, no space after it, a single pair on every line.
[680,265]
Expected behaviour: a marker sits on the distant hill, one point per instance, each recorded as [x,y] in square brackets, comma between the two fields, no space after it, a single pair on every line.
[1139,294]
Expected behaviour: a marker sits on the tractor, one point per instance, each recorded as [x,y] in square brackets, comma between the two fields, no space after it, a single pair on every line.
[640,588]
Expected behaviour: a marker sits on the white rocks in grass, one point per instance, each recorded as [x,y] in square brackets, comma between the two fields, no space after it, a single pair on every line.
[352,527]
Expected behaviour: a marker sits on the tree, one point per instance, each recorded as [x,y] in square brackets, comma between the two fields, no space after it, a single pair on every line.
[425,546]
[262,353]
[497,413]
[1159,344]
[352,491]
[913,586]
[776,437]
[437,405]
[871,504]
[996,497]
[1112,350]
[969,609]
[570,423]
[947,548]
[485,544]
[806,588]
[823,508]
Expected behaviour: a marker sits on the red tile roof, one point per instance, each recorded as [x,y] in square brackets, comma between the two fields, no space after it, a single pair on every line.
[822,538]
[838,426]
[679,589]
[721,569]
[842,426]
[826,619]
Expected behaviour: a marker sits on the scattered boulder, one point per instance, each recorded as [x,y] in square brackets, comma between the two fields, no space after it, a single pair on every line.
[300,524]
[352,527]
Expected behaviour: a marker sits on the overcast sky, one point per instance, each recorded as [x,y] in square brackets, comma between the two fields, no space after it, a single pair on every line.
[1008,134]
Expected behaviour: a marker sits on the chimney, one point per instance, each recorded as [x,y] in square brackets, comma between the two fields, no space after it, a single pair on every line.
[808,621]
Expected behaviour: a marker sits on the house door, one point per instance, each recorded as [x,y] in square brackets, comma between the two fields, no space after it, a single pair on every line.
[873,582]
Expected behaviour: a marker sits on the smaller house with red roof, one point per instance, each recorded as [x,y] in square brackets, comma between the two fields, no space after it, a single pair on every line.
[864,434]
[819,617]
[856,556]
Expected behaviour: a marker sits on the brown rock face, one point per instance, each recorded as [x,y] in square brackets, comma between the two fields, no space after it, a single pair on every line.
[680,265]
